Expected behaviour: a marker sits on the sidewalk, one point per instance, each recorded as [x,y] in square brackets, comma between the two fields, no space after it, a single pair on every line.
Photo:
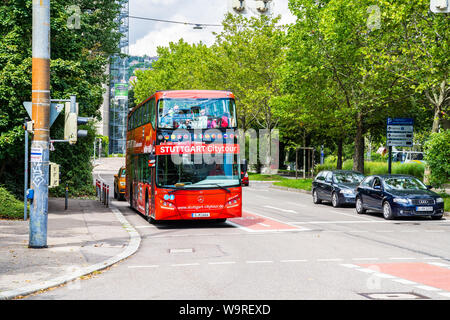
[85,238]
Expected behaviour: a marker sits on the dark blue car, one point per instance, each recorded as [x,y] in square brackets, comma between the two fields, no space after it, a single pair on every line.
[337,186]
[398,195]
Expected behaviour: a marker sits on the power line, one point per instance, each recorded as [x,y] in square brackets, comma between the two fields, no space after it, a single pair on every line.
[177,22]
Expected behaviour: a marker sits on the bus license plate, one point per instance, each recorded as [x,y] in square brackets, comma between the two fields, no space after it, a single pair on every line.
[424,208]
[200,215]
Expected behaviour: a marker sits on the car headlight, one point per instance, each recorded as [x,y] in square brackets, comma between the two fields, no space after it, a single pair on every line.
[439,200]
[347,191]
[123,184]
[401,200]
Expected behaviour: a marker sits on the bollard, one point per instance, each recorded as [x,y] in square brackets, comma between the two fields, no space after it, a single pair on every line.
[103,193]
[67,197]
[107,196]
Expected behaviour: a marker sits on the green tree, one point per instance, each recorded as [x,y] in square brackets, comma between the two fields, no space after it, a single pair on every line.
[246,56]
[329,53]
[180,66]
[78,62]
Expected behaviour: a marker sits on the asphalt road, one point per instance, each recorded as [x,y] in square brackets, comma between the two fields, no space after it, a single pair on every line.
[284,247]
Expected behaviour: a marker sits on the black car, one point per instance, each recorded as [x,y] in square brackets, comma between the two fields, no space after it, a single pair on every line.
[337,186]
[398,195]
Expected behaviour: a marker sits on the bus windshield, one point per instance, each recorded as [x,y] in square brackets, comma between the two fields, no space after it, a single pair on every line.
[196,113]
[189,174]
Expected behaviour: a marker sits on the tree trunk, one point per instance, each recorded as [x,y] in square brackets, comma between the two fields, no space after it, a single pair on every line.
[339,154]
[358,157]
[436,119]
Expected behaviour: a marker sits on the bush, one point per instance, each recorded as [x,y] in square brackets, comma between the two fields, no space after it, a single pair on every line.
[304,184]
[437,155]
[10,208]
[371,168]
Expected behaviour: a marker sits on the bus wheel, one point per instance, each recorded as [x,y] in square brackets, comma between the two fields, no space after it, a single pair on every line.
[131,199]
[151,220]
[221,220]
[146,206]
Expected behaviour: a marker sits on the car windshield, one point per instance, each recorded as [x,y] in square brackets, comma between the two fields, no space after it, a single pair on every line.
[196,113]
[348,177]
[404,183]
[190,174]
[123,173]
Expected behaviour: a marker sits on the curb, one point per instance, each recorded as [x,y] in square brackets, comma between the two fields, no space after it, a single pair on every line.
[132,247]
[290,189]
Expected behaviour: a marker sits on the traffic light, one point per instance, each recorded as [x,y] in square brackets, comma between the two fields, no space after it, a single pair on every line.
[72,120]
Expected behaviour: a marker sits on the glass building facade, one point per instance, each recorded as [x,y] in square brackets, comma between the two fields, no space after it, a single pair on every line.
[118,102]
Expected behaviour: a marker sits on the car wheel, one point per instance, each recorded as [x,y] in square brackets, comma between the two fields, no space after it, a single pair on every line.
[359,206]
[316,199]
[439,217]
[335,200]
[387,211]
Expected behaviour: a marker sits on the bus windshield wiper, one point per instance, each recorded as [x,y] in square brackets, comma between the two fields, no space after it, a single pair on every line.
[218,185]
[176,189]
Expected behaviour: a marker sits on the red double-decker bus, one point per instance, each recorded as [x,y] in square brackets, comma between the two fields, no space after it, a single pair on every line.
[182,160]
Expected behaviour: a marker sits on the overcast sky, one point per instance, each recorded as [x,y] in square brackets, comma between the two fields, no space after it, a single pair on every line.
[146,36]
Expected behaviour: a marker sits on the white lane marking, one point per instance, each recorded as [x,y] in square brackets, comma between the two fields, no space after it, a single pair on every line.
[428,288]
[438,264]
[297,204]
[329,260]
[336,222]
[264,225]
[384,275]
[294,260]
[404,281]
[364,259]
[142,227]
[236,225]
[402,258]
[222,262]
[432,258]
[352,215]
[149,266]
[280,209]
[259,261]
[349,265]
[365,270]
